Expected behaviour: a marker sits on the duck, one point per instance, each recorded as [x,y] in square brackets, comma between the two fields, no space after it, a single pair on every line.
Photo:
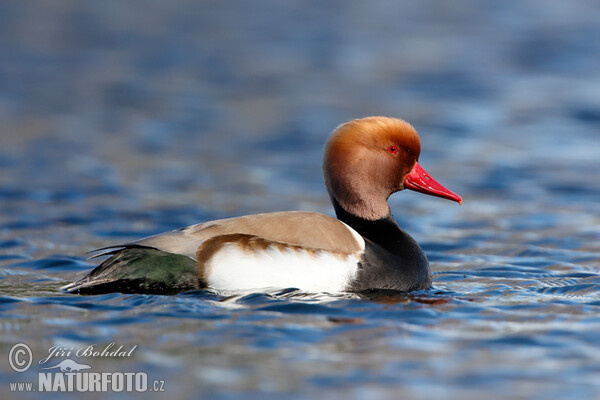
[363,248]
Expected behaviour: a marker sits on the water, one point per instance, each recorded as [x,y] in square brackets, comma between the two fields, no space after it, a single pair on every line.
[121,121]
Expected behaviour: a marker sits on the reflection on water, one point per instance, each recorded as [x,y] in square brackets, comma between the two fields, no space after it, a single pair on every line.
[120,122]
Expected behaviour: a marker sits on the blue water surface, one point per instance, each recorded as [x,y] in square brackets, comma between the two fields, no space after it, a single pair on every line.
[121,120]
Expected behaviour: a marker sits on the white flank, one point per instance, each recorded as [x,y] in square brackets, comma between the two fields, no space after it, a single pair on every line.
[234,268]
[359,239]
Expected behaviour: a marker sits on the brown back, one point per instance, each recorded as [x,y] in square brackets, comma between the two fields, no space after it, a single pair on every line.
[298,228]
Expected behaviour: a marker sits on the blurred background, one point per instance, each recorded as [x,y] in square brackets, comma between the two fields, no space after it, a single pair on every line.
[124,119]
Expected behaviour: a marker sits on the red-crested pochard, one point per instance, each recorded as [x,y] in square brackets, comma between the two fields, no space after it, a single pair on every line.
[366,160]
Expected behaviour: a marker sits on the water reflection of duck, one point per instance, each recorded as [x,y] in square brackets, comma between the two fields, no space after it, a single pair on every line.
[366,160]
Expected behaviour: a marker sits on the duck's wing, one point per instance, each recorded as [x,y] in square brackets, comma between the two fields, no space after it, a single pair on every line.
[167,263]
[138,269]
[297,228]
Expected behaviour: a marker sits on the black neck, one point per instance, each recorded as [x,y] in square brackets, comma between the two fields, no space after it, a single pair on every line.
[384,231]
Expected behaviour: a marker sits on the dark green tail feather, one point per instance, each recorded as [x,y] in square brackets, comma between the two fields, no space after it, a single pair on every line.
[140,270]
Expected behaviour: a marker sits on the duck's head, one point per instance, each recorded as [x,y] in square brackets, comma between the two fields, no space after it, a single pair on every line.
[368,159]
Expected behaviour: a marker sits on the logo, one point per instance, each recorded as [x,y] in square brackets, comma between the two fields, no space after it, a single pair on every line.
[69,375]
[69,366]
[20,357]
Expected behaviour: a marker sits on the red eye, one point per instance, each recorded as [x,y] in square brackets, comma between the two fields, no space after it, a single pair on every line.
[393,149]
